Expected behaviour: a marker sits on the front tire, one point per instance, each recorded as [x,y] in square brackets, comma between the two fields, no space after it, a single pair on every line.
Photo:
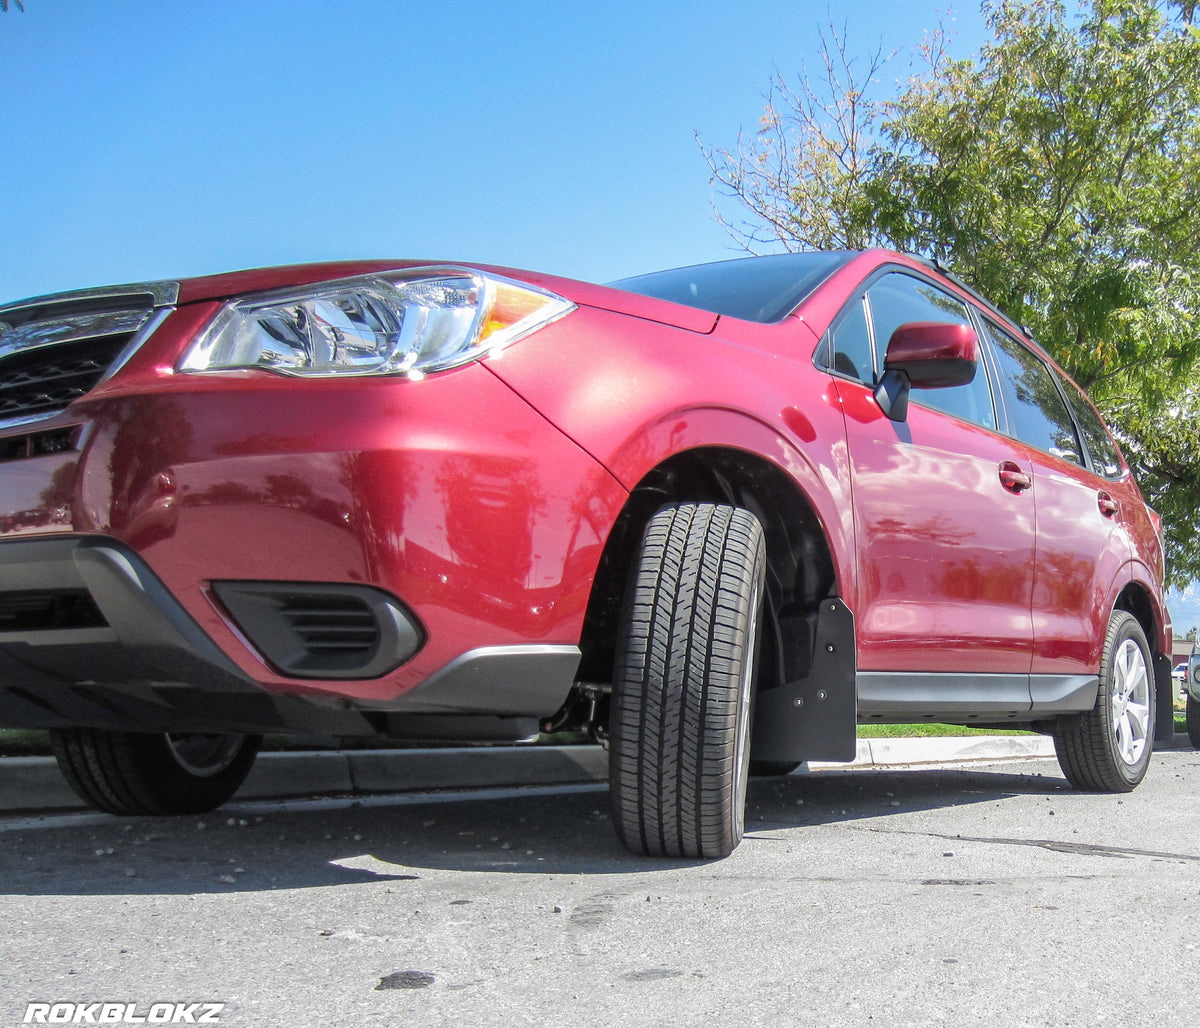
[153,773]
[1108,748]
[679,753]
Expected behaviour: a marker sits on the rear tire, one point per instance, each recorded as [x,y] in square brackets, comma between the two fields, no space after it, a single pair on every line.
[153,773]
[1108,748]
[1193,721]
[679,753]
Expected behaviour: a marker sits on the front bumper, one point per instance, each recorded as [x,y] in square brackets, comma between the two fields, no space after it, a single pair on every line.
[90,637]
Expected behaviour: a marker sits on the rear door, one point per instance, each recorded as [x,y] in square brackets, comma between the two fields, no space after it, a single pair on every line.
[1081,540]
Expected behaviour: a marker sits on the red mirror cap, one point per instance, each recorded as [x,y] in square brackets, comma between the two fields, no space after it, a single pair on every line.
[934,354]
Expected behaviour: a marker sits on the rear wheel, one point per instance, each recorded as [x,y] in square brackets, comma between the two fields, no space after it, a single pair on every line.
[1193,721]
[1108,748]
[680,728]
[153,773]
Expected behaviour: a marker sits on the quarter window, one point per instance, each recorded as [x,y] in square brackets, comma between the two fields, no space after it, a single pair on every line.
[850,343]
[1106,459]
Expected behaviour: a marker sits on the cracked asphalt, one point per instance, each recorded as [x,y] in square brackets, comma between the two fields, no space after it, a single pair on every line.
[982,895]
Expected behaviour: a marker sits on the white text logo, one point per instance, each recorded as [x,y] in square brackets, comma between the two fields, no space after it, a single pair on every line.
[123,1013]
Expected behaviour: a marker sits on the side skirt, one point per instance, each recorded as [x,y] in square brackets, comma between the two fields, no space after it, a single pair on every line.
[899,697]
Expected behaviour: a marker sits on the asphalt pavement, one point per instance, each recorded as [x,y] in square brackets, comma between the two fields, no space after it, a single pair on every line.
[35,784]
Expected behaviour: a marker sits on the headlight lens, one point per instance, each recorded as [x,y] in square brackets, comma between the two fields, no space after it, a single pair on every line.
[407,323]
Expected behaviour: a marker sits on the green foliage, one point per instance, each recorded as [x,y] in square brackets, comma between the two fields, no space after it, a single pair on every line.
[1059,173]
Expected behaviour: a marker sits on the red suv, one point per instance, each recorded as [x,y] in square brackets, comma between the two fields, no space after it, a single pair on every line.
[717,516]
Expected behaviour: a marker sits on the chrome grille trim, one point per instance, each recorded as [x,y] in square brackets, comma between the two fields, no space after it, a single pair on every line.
[151,294]
[36,334]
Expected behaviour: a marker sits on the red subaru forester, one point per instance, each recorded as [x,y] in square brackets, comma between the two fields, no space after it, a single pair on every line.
[717,516]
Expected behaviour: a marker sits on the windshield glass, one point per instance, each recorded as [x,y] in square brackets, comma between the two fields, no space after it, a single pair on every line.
[752,288]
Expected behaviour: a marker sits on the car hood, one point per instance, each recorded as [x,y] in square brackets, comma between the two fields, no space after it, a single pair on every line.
[583,294]
[170,293]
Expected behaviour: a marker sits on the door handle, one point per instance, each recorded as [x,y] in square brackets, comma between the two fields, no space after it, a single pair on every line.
[1013,478]
[1108,506]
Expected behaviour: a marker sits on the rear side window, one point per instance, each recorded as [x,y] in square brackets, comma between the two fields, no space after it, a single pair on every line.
[1106,459]
[1037,414]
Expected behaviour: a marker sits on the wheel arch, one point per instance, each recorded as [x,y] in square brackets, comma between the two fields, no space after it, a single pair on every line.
[1135,599]
[801,566]
[1138,600]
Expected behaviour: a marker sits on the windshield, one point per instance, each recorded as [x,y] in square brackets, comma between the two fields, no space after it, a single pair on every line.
[752,288]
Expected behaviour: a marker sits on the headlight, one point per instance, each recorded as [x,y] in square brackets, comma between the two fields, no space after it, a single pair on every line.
[403,323]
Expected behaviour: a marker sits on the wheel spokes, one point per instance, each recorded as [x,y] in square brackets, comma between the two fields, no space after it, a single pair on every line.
[1130,702]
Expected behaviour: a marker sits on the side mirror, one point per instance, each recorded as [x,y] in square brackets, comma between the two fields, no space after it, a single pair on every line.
[925,355]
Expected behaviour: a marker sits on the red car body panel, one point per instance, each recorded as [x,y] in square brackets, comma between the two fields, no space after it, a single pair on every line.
[450,495]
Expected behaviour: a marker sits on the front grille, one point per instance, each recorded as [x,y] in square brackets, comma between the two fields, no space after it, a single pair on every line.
[55,349]
[42,382]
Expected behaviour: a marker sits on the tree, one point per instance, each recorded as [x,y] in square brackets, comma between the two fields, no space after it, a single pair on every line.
[1058,172]
[4,5]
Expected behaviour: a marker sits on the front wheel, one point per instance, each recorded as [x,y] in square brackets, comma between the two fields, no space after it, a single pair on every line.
[1108,748]
[153,772]
[679,752]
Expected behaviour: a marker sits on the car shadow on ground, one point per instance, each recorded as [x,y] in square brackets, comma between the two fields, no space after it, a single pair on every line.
[251,847]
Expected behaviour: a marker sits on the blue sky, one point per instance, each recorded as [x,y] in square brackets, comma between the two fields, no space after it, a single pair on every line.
[156,138]
[149,139]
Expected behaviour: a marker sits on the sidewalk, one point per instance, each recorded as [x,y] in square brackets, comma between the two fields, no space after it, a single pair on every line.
[34,783]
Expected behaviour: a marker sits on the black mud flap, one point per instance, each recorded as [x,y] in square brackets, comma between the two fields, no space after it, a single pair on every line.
[814,717]
[1164,696]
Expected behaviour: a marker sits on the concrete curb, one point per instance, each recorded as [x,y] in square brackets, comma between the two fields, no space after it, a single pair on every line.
[945,750]
[35,783]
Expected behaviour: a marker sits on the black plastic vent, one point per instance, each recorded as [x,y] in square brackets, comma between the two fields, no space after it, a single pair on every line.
[332,624]
[319,630]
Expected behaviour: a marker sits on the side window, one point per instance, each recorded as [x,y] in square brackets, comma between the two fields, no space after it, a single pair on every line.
[897,299]
[1036,412]
[850,344]
[1106,459]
